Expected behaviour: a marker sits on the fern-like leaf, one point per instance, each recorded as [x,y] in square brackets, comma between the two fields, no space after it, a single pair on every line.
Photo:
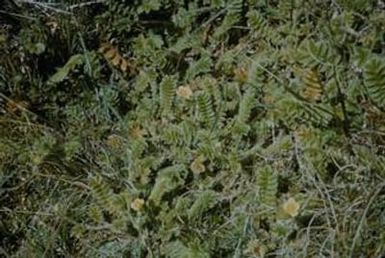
[313,88]
[317,55]
[246,105]
[267,182]
[375,80]
[102,193]
[172,135]
[205,108]
[168,179]
[167,92]
[63,72]
[232,17]
[205,201]
[257,23]
[203,65]
[294,112]
[178,250]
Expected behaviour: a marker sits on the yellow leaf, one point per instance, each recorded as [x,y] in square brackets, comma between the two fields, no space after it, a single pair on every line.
[137,132]
[110,54]
[124,65]
[116,60]
[313,88]
[241,74]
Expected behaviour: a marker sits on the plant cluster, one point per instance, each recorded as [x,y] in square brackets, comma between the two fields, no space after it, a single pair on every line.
[202,128]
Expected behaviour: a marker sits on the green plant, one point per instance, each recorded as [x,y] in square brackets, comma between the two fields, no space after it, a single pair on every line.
[171,128]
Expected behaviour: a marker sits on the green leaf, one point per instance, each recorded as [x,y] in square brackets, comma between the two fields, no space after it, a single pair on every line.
[168,179]
[205,201]
[63,72]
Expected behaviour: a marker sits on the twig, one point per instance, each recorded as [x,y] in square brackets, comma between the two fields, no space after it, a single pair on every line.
[8,210]
[81,5]
[341,99]
[47,6]
[18,15]
[370,202]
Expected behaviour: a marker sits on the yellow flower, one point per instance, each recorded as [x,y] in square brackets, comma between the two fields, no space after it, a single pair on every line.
[137,204]
[291,207]
[197,165]
[184,92]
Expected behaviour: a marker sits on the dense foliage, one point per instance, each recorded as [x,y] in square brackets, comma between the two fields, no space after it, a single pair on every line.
[202,128]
